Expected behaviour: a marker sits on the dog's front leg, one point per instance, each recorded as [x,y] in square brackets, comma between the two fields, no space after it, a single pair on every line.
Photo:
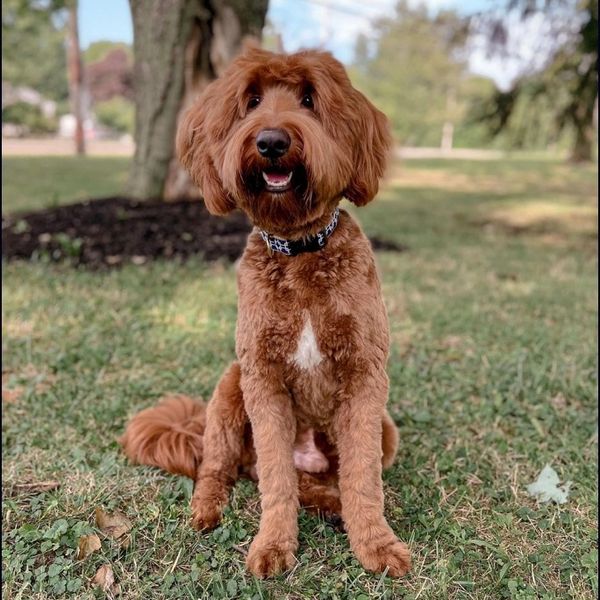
[274,431]
[358,431]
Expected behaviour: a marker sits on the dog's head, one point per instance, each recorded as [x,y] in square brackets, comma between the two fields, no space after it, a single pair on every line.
[284,138]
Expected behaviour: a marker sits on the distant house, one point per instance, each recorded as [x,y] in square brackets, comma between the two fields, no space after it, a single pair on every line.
[66,127]
[12,94]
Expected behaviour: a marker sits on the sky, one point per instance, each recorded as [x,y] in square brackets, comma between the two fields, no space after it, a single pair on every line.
[329,24]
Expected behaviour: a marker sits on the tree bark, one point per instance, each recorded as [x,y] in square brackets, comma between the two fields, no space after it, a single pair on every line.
[448,126]
[447,136]
[582,148]
[584,124]
[76,79]
[179,46]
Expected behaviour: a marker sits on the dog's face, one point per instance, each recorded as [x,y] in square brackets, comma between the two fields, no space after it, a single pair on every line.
[284,138]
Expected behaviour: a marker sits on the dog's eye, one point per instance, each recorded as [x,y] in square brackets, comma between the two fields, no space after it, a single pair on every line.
[307,101]
[253,102]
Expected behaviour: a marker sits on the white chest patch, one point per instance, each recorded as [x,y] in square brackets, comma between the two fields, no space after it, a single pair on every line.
[307,354]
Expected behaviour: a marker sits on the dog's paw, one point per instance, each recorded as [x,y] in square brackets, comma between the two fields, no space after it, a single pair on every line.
[208,502]
[330,504]
[326,503]
[206,514]
[271,559]
[205,520]
[390,553]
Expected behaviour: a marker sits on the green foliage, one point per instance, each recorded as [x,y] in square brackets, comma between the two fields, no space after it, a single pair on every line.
[555,104]
[417,75]
[30,117]
[493,373]
[522,118]
[33,47]
[116,113]
[474,91]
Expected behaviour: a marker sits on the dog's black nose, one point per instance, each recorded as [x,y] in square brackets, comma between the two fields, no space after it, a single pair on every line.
[273,143]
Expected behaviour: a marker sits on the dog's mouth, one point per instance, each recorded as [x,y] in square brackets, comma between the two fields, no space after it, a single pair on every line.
[277,180]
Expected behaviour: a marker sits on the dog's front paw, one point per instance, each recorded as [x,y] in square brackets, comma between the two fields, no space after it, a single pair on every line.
[208,503]
[388,552]
[205,517]
[271,558]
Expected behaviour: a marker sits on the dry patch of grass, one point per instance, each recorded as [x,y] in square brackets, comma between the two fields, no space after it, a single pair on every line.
[544,217]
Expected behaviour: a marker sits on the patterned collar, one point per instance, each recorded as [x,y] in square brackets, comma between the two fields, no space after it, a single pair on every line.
[312,243]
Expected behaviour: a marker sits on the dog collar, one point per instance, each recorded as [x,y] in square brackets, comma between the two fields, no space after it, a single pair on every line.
[311,243]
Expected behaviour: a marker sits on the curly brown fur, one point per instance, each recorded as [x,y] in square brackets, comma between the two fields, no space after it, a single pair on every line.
[168,436]
[171,436]
[312,334]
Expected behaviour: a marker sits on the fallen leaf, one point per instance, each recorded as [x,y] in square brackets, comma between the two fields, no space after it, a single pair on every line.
[105,579]
[13,395]
[88,544]
[114,525]
[545,488]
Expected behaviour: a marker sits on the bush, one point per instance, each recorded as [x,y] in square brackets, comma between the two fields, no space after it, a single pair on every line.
[30,117]
[116,113]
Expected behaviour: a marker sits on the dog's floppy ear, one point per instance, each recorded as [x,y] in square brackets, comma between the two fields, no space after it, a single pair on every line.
[372,144]
[192,147]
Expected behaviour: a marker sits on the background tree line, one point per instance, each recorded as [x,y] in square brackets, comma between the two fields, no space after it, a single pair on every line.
[414,66]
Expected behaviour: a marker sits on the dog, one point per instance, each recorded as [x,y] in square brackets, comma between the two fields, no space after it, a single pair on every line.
[303,408]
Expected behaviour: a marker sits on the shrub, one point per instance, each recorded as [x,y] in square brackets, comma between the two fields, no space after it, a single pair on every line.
[30,117]
[116,113]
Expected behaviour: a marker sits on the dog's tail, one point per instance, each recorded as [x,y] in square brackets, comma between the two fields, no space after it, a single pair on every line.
[168,435]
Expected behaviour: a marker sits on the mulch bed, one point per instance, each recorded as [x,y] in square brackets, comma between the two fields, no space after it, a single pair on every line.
[109,232]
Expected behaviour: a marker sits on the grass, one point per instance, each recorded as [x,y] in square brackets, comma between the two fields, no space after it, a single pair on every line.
[493,313]
[43,181]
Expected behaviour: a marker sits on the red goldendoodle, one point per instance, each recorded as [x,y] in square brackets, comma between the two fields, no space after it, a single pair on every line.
[303,409]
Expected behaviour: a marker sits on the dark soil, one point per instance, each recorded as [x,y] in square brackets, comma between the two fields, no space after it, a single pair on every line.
[109,232]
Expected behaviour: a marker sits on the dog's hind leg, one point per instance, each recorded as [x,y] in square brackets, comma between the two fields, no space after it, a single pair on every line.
[318,495]
[223,446]
[389,440]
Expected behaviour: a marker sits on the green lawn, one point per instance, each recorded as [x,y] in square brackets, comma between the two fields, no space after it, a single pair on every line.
[493,375]
[41,181]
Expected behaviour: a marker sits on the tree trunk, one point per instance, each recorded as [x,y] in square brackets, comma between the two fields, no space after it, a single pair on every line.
[179,46]
[76,79]
[448,126]
[582,148]
[447,136]
[583,122]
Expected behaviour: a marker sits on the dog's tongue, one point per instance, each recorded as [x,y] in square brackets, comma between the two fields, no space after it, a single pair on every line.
[277,178]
